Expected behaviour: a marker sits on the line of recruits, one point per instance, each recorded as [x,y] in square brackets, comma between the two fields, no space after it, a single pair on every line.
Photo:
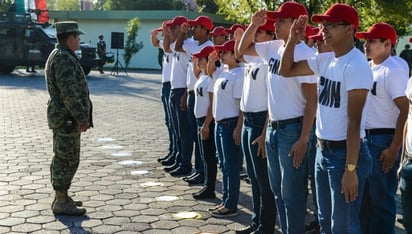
[296,103]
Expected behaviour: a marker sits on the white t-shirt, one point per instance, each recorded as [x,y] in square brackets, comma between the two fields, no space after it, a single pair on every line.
[227,93]
[337,76]
[166,64]
[202,101]
[254,95]
[402,63]
[286,99]
[191,47]
[179,67]
[408,141]
[389,83]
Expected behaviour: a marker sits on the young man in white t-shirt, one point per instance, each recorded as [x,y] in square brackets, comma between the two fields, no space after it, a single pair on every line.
[343,161]
[180,62]
[165,93]
[386,116]
[254,106]
[201,27]
[292,108]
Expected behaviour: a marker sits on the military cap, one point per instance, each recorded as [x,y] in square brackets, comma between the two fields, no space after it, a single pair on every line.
[67,27]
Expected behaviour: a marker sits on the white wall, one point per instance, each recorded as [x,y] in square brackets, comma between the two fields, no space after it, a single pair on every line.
[146,58]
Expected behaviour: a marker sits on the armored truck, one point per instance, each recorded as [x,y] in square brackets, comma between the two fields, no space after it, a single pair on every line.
[24,42]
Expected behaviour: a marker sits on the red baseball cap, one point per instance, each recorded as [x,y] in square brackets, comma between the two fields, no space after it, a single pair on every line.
[339,12]
[233,28]
[289,9]
[379,31]
[204,53]
[202,20]
[268,26]
[311,31]
[227,46]
[178,20]
[219,30]
[410,40]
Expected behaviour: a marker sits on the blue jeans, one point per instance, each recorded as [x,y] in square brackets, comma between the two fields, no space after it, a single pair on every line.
[229,157]
[311,157]
[165,97]
[179,118]
[335,215]
[264,207]
[288,184]
[378,213]
[194,132]
[208,153]
[405,185]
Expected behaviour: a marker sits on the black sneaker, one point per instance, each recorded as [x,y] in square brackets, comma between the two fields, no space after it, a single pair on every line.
[223,213]
[204,194]
[246,230]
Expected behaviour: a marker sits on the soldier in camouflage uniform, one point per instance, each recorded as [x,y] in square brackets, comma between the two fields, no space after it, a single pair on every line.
[69,112]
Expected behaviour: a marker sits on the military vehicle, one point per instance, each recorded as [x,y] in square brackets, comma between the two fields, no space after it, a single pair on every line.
[23,42]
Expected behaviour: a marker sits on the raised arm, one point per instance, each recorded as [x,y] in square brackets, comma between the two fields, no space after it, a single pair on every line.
[184,29]
[237,35]
[247,44]
[211,64]
[167,39]
[288,67]
[154,39]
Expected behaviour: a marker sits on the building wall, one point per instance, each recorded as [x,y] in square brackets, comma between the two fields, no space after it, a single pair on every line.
[94,23]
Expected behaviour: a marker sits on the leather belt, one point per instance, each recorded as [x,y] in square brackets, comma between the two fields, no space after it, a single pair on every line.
[380,131]
[191,92]
[228,120]
[325,144]
[283,123]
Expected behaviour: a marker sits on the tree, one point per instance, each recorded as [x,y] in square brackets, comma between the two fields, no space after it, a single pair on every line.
[397,13]
[5,4]
[140,4]
[132,47]
[67,5]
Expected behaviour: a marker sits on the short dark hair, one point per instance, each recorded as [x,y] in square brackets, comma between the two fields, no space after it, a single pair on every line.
[407,46]
[62,37]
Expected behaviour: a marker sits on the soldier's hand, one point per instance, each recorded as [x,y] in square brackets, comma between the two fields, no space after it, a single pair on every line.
[83,127]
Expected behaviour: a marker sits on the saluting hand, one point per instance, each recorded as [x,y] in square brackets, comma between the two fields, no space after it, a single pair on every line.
[237,35]
[259,18]
[298,28]
[184,28]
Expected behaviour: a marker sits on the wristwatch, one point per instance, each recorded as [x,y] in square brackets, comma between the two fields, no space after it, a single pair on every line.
[351,167]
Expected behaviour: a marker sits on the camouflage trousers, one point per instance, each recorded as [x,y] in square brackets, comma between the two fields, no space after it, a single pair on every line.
[66,148]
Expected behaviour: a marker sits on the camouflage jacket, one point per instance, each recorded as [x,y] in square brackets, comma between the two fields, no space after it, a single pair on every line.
[68,90]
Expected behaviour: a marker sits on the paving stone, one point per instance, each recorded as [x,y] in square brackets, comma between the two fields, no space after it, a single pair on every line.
[41,219]
[116,221]
[136,227]
[26,227]
[11,221]
[25,214]
[165,224]
[145,219]
[4,229]
[109,229]
[185,230]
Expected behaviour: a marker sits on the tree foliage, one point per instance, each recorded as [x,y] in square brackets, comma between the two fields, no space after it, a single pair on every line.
[397,13]
[5,4]
[132,46]
[141,5]
[66,5]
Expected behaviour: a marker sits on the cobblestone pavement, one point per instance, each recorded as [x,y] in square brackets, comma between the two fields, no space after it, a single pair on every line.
[123,187]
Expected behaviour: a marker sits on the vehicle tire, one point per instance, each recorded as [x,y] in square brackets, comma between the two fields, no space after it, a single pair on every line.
[86,70]
[6,69]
